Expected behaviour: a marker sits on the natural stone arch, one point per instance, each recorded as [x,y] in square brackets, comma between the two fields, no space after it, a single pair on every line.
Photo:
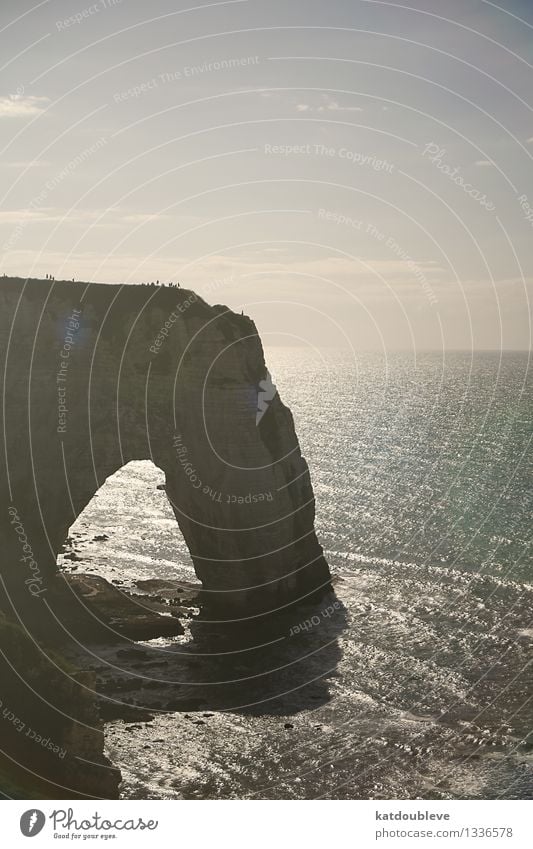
[100,375]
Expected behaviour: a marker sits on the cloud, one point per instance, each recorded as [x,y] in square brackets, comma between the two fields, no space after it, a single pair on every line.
[142,217]
[31,163]
[19,106]
[327,105]
[530,140]
[46,215]
[14,216]
[334,106]
[199,275]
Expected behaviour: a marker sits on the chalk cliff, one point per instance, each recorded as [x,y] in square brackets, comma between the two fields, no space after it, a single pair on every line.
[95,376]
[98,375]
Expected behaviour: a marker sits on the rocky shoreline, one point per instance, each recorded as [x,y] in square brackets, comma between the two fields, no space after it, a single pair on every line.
[307,704]
[126,655]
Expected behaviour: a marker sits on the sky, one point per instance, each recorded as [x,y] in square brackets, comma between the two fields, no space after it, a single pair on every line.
[352,173]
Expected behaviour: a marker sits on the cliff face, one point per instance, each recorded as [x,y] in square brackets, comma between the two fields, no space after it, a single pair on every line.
[51,734]
[98,375]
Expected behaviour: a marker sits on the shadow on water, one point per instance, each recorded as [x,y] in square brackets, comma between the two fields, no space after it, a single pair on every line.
[276,667]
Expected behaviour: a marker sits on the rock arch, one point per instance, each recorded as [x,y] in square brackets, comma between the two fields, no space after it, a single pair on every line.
[98,375]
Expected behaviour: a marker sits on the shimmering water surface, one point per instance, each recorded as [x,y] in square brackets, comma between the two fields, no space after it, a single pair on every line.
[422,475]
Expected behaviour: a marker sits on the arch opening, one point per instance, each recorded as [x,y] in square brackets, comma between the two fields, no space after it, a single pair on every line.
[128,532]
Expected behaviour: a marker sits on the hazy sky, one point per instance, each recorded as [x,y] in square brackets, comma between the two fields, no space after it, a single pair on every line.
[348,172]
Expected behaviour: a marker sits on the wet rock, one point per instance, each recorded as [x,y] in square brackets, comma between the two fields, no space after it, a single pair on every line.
[132,653]
[119,610]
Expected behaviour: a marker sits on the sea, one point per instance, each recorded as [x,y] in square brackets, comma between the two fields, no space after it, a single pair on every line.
[422,472]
